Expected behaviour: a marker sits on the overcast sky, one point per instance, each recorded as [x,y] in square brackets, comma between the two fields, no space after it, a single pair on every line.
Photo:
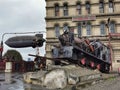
[22,16]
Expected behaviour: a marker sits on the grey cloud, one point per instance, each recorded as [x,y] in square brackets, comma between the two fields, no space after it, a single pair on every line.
[21,14]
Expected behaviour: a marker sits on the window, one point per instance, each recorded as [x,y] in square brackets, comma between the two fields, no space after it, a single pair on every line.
[56,10]
[88,8]
[57,30]
[79,29]
[65,9]
[102,28]
[88,29]
[112,27]
[65,27]
[78,8]
[101,7]
[111,8]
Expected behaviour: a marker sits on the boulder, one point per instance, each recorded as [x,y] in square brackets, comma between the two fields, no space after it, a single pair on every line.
[55,79]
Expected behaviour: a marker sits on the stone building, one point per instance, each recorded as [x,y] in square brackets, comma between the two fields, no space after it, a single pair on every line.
[89,18]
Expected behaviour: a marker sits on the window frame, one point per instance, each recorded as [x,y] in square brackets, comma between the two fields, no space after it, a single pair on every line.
[65,27]
[57,30]
[65,9]
[88,29]
[79,27]
[102,28]
[112,27]
[87,6]
[101,7]
[78,8]
[57,9]
[111,6]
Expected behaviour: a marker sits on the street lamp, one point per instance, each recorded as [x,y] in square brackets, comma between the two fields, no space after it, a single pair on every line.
[1,50]
[1,47]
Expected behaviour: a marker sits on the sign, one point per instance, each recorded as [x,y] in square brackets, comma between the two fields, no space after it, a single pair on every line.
[83,18]
[115,34]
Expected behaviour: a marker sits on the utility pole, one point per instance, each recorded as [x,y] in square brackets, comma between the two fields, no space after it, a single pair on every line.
[109,42]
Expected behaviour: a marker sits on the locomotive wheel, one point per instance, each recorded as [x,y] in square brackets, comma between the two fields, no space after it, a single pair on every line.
[98,66]
[92,65]
[79,63]
[107,68]
[82,62]
[87,63]
[104,68]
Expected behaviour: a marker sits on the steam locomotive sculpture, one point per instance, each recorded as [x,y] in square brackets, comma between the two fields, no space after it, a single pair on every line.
[82,51]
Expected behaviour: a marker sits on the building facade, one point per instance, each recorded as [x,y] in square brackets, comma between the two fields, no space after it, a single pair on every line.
[95,19]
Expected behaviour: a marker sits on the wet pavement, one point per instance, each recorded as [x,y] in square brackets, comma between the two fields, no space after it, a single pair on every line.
[14,81]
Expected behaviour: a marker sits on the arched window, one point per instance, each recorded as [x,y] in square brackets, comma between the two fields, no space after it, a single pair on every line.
[87,7]
[57,30]
[56,10]
[79,30]
[111,6]
[88,29]
[65,27]
[112,27]
[78,8]
[102,28]
[101,6]
[65,9]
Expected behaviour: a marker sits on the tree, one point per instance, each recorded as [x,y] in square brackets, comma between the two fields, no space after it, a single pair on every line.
[13,55]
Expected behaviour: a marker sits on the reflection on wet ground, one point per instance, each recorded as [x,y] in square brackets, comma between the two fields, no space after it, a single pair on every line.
[14,81]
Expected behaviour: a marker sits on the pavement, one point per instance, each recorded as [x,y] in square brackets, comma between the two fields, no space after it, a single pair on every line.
[14,81]
[109,84]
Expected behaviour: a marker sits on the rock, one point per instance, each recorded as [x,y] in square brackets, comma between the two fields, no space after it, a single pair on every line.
[27,77]
[60,76]
[94,82]
[55,79]
[73,79]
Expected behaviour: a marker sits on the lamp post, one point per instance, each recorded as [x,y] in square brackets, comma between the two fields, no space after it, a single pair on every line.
[1,50]
[109,42]
[1,47]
